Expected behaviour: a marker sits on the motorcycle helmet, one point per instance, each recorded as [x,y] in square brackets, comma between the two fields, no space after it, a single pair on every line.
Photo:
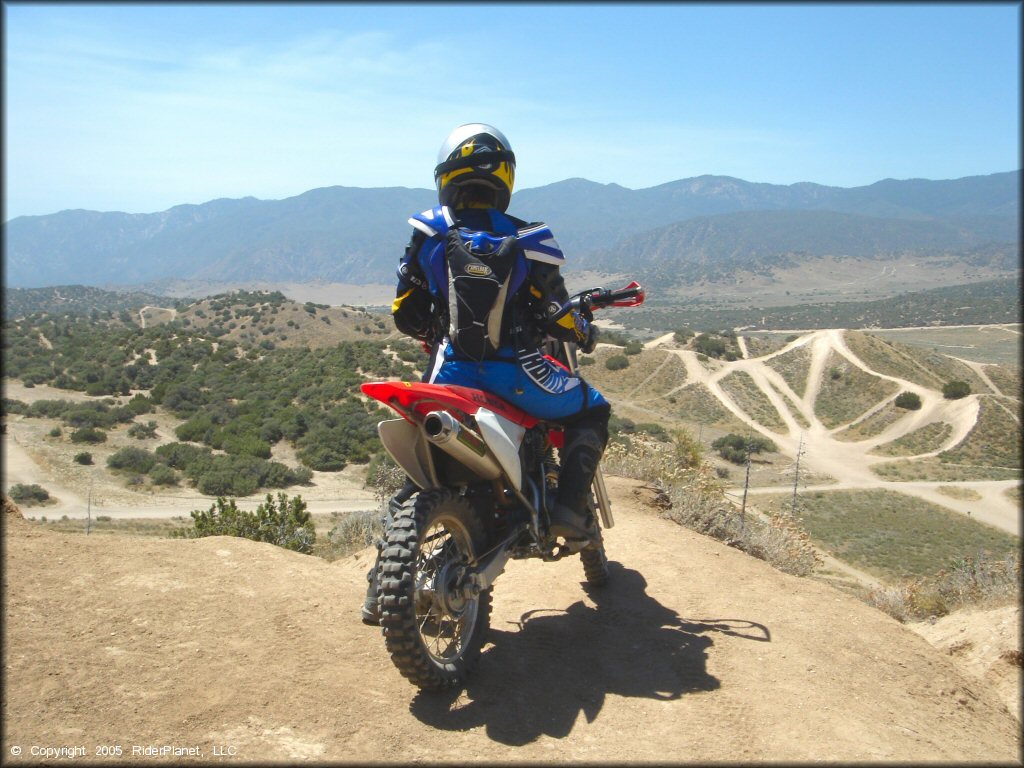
[479,155]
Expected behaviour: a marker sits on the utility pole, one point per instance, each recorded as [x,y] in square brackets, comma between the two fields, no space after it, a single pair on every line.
[796,473]
[746,485]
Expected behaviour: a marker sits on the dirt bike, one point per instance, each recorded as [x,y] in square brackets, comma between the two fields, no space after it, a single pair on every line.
[487,474]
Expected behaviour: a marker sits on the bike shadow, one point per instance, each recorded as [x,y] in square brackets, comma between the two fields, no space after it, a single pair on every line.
[535,680]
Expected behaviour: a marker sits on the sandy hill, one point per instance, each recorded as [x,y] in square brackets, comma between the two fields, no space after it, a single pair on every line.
[695,652]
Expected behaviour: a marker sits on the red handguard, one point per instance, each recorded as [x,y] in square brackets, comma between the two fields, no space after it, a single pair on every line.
[632,295]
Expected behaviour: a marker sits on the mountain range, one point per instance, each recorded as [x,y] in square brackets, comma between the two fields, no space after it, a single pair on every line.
[703,228]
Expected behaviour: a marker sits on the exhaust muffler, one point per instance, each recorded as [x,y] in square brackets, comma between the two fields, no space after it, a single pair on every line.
[447,433]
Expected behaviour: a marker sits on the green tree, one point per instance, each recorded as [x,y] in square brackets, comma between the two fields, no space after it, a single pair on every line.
[909,401]
[954,390]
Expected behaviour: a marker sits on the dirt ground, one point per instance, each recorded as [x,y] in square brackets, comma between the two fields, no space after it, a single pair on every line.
[695,652]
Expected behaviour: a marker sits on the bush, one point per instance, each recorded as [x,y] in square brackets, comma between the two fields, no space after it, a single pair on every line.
[139,405]
[142,431]
[977,583]
[135,460]
[88,435]
[616,362]
[355,531]
[954,390]
[634,347]
[282,521]
[735,448]
[161,474]
[83,458]
[56,432]
[29,495]
[909,401]
[180,455]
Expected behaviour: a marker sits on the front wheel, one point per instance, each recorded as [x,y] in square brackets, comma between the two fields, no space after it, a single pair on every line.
[434,626]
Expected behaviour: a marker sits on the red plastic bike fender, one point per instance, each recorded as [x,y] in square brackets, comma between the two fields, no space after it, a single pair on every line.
[410,394]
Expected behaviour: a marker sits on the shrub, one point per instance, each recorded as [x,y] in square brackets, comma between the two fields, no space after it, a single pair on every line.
[735,448]
[634,347]
[954,390]
[139,405]
[982,582]
[716,346]
[142,431]
[355,531]
[222,481]
[180,455]
[83,458]
[909,401]
[282,521]
[88,435]
[688,450]
[161,474]
[136,460]
[56,432]
[616,362]
[29,495]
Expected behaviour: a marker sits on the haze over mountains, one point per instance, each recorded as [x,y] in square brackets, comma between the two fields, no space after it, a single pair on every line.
[704,228]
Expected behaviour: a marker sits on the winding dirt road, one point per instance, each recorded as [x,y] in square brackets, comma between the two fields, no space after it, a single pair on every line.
[850,462]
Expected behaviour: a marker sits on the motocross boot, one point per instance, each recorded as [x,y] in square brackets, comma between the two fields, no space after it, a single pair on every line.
[584,444]
[370,612]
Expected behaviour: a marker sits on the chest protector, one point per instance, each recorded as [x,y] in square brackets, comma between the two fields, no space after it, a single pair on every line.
[481,268]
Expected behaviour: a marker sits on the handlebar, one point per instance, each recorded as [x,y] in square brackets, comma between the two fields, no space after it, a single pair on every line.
[632,295]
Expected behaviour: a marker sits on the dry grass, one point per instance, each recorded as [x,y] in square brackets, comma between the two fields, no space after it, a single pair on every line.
[1006,378]
[936,470]
[694,404]
[794,411]
[980,582]
[894,536]
[103,525]
[874,424]
[926,367]
[994,441]
[963,494]
[743,390]
[986,344]
[847,392]
[794,367]
[650,374]
[760,345]
[698,502]
[928,438]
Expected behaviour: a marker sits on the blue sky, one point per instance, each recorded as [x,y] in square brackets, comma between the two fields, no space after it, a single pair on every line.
[138,108]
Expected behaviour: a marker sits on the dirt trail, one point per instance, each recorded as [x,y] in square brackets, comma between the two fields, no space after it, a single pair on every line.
[695,653]
[850,462]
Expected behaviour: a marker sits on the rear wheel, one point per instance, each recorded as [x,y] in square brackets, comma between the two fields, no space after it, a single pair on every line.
[434,626]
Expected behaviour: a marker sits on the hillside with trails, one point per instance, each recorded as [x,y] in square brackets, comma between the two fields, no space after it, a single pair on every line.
[694,652]
[829,395]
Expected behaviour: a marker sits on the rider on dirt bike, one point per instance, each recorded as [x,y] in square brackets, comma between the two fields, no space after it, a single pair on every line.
[482,290]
